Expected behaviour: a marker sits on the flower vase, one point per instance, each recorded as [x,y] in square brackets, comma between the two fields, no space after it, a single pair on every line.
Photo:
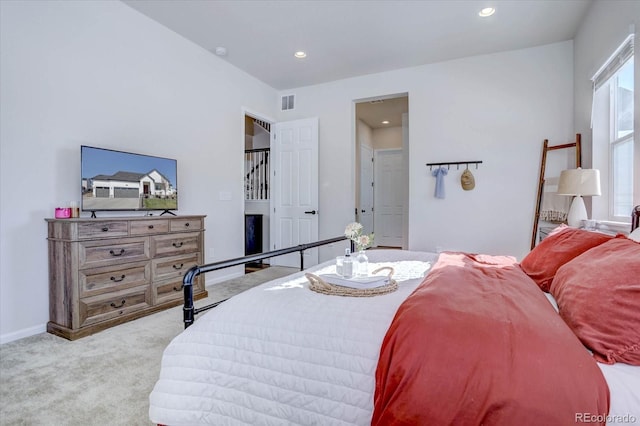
[361,264]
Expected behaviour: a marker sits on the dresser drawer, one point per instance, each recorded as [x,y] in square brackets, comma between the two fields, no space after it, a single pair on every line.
[167,291]
[113,278]
[146,227]
[103,229]
[111,305]
[182,224]
[110,252]
[174,244]
[173,266]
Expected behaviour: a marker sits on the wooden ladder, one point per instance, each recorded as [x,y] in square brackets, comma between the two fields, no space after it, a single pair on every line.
[543,164]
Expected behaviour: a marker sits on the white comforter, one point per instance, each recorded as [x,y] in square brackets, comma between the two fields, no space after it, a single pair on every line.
[282,354]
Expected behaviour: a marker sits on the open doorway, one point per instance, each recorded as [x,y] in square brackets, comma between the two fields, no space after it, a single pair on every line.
[382,177]
[257,189]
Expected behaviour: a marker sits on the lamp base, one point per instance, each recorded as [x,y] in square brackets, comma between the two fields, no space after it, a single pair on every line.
[577,212]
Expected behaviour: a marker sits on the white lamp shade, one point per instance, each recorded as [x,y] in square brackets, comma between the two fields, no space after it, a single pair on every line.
[579,182]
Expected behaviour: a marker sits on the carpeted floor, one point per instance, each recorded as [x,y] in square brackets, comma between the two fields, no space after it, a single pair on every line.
[103,379]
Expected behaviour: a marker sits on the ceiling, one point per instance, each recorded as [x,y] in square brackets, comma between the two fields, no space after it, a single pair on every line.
[374,112]
[349,38]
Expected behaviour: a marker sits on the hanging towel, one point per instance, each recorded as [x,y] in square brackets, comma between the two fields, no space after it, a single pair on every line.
[554,207]
[439,174]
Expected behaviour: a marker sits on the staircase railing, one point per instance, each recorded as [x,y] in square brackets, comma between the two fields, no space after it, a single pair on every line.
[257,174]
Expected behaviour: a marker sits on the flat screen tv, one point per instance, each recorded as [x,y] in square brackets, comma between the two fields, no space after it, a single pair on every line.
[116,180]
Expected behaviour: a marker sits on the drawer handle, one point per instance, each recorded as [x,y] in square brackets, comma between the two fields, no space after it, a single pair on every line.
[113,305]
[150,226]
[186,224]
[178,245]
[116,254]
[117,280]
[105,229]
[176,266]
[177,288]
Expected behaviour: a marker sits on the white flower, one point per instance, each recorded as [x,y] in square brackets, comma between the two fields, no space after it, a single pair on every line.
[353,231]
[364,241]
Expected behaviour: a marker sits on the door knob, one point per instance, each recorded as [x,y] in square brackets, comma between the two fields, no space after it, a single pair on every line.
[310,212]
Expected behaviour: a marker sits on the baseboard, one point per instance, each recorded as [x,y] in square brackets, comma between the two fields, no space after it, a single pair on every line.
[21,334]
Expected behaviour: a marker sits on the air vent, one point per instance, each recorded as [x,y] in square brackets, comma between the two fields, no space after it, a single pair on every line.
[288,102]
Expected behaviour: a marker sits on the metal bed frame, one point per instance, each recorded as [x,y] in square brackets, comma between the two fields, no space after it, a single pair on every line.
[189,311]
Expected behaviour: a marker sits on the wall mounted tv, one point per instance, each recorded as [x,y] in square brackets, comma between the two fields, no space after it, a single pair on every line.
[117,180]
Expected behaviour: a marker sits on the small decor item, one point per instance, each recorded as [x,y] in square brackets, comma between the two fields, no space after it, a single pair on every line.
[339,263]
[467,180]
[63,213]
[362,242]
[347,264]
[75,209]
[439,174]
[361,265]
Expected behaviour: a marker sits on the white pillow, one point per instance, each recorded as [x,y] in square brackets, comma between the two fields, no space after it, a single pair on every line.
[635,235]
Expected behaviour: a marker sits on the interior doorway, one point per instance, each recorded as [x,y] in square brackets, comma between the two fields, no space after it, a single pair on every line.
[257,188]
[382,133]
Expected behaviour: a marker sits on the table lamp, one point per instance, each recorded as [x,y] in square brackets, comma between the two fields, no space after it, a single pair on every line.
[578,182]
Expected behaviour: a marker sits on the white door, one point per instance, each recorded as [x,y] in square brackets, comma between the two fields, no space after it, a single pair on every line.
[388,198]
[365,209]
[294,190]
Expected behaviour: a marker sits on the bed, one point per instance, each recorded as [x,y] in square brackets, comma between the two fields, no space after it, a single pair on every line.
[465,339]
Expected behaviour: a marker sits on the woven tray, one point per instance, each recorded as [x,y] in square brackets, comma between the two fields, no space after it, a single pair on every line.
[318,285]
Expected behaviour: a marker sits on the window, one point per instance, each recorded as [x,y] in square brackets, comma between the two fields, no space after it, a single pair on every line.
[613,134]
[621,141]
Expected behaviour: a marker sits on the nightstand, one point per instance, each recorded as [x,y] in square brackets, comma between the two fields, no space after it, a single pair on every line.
[544,232]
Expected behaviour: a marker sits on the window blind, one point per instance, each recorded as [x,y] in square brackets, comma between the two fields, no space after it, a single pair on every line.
[610,67]
[613,64]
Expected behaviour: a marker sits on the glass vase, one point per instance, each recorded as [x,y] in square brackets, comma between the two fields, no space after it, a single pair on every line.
[361,264]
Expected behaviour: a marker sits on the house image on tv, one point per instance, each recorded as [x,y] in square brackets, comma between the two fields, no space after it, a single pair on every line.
[131,185]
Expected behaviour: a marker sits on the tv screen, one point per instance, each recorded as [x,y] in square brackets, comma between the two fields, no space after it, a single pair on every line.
[117,180]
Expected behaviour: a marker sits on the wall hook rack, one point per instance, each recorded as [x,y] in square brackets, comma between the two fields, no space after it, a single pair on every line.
[454,163]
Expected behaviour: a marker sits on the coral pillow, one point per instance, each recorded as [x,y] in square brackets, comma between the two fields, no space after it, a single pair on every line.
[557,249]
[598,295]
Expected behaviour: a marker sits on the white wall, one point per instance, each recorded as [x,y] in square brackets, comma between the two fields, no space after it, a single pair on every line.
[100,73]
[387,138]
[603,29]
[495,108]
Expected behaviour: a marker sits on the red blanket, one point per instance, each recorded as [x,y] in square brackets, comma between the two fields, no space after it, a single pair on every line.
[478,343]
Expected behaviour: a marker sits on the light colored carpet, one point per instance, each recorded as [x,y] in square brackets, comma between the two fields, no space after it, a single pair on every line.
[102,379]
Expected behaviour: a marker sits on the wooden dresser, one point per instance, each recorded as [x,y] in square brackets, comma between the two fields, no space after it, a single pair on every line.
[104,272]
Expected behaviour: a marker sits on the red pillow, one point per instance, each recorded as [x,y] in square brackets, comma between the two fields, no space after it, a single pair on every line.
[557,249]
[598,295]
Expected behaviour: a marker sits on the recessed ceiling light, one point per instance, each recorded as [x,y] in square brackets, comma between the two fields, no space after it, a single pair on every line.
[487,11]
[300,54]
[385,122]
[221,51]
